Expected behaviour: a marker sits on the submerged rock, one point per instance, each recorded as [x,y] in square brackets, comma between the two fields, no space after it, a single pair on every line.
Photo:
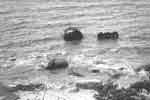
[87,84]
[72,33]
[30,87]
[141,85]
[95,71]
[107,35]
[57,63]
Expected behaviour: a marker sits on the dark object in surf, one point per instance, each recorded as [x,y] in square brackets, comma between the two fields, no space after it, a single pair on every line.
[95,71]
[91,85]
[30,87]
[72,34]
[139,86]
[107,35]
[57,63]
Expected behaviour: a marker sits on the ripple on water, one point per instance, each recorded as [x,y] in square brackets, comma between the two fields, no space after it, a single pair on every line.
[33,26]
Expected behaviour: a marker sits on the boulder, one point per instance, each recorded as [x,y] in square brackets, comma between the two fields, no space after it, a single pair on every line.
[107,35]
[57,63]
[72,33]
[115,35]
[140,85]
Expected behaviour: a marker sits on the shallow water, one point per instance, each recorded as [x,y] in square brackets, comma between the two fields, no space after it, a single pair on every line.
[29,28]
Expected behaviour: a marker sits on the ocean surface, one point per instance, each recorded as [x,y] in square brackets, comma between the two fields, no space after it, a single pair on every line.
[30,28]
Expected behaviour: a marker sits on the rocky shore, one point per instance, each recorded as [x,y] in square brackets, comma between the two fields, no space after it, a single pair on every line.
[29,78]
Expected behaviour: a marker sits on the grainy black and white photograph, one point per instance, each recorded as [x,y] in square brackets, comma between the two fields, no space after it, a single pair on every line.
[74,49]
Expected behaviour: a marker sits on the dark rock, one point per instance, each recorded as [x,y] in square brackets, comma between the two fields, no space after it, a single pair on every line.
[100,36]
[57,63]
[115,35]
[72,33]
[139,86]
[13,59]
[7,93]
[116,76]
[30,87]
[107,35]
[87,84]
[121,68]
[110,91]
[95,71]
